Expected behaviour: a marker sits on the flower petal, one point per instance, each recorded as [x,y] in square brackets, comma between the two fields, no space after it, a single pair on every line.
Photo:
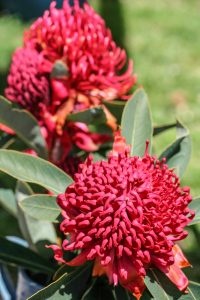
[176,275]
[180,258]
[130,278]
[78,260]
[98,269]
[6,129]
[58,253]
[84,142]
[136,287]
[119,145]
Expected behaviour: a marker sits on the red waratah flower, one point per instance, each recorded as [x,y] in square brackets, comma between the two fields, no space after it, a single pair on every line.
[28,85]
[126,214]
[86,62]
[69,63]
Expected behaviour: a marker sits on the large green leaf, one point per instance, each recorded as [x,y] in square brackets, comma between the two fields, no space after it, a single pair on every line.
[7,219]
[116,108]
[14,254]
[37,239]
[7,200]
[162,288]
[152,283]
[24,125]
[194,291]
[136,123]
[41,207]
[68,287]
[178,153]
[7,197]
[32,169]
[94,115]
[195,205]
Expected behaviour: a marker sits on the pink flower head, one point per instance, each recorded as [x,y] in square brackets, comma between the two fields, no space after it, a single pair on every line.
[27,84]
[86,63]
[126,214]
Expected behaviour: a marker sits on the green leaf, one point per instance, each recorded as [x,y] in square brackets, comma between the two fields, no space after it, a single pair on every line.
[41,207]
[64,269]
[162,288]
[152,283]
[161,129]
[7,219]
[116,108]
[195,205]
[101,129]
[136,123]
[32,169]
[6,140]
[194,291]
[7,200]
[99,290]
[37,239]
[24,125]
[14,254]
[178,153]
[7,197]
[94,115]
[69,286]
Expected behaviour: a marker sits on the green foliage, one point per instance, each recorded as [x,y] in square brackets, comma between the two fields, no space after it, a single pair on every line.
[7,200]
[116,108]
[29,225]
[69,286]
[24,125]
[178,153]
[195,205]
[14,254]
[136,123]
[162,288]
[94,115]
[27,168]
[41,207]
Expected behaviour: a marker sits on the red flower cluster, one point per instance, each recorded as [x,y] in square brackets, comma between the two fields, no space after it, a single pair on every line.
[126,214]
[28,86]
[69,63]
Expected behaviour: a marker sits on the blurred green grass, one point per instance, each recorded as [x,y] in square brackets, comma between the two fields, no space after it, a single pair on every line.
[163,39]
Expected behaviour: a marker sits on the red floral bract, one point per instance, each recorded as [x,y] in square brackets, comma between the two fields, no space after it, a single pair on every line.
[27,84]
[126,214]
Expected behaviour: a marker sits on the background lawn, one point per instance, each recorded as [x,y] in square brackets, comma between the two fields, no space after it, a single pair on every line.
[163,38]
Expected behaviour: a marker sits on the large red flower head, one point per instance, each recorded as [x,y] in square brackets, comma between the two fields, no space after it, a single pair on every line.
[69,62]
[126,214]
[86,63]
[28,85]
